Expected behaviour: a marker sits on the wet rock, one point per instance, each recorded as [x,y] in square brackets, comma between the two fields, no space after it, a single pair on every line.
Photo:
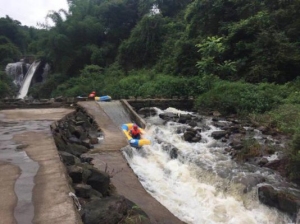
[216,113]
[99,181]
[235,129]
[221,125]
[282,200]
[147,111]
[218,134]
[279,165]
[251,180]
[262,161]
[168,116]
[192,124]
[192,135]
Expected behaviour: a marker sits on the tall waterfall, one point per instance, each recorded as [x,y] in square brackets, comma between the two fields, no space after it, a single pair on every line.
[27,80]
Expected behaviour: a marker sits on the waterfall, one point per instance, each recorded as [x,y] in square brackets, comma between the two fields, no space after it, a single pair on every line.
[17,71]
[27,80]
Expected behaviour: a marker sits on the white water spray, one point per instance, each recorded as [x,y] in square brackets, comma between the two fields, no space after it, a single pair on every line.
[189,185]
[27,80]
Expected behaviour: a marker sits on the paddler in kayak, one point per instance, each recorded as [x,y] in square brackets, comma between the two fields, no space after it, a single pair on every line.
[135,132]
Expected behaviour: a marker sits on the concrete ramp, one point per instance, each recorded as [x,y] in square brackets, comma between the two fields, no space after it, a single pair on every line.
[109,116]
[116,112]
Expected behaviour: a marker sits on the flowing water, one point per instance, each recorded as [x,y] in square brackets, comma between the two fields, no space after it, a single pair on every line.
[27,80]
[201,184]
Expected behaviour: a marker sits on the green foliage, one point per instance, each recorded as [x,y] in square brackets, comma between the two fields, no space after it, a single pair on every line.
[211,61]
[8,51]
[7,88]
[144,43]
[90,79]
[287,118]
[45,90]
[239,97]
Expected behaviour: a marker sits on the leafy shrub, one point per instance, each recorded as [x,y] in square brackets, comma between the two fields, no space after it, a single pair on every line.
[238,97]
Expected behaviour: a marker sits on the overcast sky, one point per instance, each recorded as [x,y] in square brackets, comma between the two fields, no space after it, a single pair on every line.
[30,12]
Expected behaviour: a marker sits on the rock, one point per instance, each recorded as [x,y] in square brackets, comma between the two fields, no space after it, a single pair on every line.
[107,210]
[193,124]
[75,172]
[218,134]
[94,141]
[168,116]
[76,150]
[262,161]
[216,113]
[147,111]
[99,181]
[251,180]
[221,125]
[86,191]
[188,136]
[59,99]
[282,200]
[73,139]
[68,159]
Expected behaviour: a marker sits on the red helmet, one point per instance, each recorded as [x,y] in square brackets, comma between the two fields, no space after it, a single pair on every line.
[135,126]
[93,92]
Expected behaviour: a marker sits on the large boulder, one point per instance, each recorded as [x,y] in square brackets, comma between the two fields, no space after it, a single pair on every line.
[86,191]
[69,159]
[109,210]
[285,201]
[99,181]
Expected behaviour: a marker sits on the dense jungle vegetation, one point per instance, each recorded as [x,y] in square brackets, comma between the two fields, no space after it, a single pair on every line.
[235,56]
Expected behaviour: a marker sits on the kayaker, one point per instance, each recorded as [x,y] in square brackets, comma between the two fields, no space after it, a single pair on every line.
[135,132]
[92,95]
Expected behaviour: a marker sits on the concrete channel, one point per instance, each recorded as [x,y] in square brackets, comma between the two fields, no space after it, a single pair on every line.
[109,116]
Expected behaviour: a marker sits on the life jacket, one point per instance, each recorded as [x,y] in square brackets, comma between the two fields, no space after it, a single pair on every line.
[92,95]
[135,132]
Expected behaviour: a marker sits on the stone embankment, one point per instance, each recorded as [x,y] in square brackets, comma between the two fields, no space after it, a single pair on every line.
[98,201]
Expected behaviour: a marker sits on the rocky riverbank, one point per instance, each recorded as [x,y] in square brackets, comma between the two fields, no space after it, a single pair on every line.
[249,144]
[98,201]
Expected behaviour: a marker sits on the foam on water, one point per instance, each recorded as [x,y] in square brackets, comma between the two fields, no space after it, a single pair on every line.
[188,185]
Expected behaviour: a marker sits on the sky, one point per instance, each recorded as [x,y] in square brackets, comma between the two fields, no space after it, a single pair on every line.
[30,12]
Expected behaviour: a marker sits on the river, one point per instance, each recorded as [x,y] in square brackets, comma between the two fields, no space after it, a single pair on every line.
[198,186]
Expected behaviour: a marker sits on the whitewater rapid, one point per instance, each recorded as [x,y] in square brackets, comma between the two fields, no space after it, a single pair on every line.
[191,186]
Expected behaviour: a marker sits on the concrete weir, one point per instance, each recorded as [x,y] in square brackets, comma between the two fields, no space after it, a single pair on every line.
[108,155]
[34,185]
